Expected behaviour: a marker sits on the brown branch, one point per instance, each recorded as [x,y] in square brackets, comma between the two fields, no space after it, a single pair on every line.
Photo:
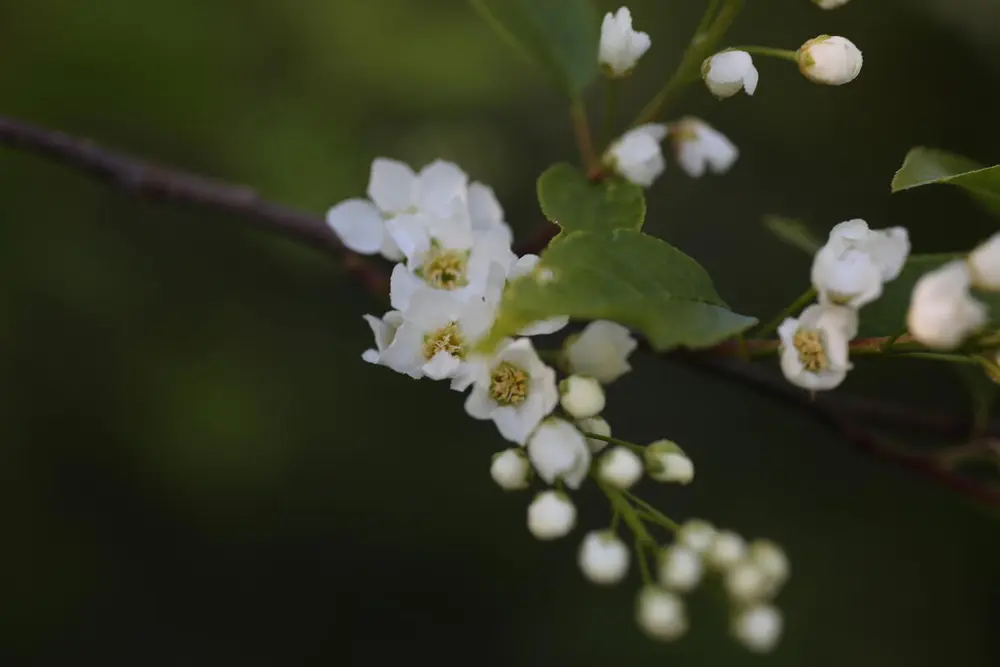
[143,179]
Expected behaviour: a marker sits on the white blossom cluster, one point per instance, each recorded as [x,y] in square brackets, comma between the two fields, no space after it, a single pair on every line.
[848,272]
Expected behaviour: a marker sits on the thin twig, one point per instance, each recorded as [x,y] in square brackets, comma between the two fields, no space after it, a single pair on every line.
[848,416]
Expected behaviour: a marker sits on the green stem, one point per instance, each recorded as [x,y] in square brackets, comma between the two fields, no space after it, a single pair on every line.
[640,553]
[804,300]
[656,514]
[581,130]
[706,18]
[939,356]
[615,441]
[610,109]
[784,54]
[702,45]
[621,505]
[614,521]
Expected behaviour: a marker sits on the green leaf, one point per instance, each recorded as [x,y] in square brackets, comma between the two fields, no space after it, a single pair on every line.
[887,316]
[924,166]
[571,201]
[559,35]
[793,232]
[625,276]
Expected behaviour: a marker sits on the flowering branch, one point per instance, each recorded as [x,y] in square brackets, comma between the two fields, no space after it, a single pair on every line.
[851,417]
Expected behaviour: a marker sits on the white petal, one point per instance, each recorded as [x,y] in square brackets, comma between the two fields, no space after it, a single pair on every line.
[405,353]
[391,185]
[402,286]
[545,327]
[479,405]
[484,209]
[440,183]
[410,233]
[442,365]
[358,224]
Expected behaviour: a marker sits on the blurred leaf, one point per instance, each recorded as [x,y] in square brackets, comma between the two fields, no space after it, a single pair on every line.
[571,201]
[924,166]
[560,35]
[887,316]
[625,276]
[793,232]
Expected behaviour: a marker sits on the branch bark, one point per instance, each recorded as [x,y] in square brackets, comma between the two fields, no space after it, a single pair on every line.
[853,418]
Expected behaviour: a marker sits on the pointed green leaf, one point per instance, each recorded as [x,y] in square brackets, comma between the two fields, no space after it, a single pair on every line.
[887,316]
[561,36]
[571,201]
[793,232]
[625,276]
[924,166]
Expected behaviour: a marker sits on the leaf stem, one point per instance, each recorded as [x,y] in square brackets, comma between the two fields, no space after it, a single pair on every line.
[783,54]
[610,110]
[615,441]
[656,514]
[581,130]
[794,307]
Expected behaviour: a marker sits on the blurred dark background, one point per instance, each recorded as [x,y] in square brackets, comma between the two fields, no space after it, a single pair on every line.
[198,469]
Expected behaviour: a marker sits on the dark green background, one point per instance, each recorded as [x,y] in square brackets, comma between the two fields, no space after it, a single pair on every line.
[196,466]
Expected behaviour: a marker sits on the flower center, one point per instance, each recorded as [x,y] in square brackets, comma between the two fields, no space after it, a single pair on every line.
[444,269]
[508,384]
[810,348]
[446,339]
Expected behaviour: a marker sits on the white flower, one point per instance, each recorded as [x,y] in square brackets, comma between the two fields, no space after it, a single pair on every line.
[680,568]
[637,154]
[727,72]
[771,560]
[984,264]
[485,212]
[833,61]
[620,467]
[581,396]
[384,331]
[667,462]
[942,311]
[697,534]
[699,146]
[855,261]
[758,628]
[621,46]
[514,388]
[597,426]
[603,558]
[814,347]
[361,228]
[558,451]
[830,4]
[726,550]
[746,583]
[661,613]
[510,470]
[436,333]
[551,515]
[524,265]
[601,351]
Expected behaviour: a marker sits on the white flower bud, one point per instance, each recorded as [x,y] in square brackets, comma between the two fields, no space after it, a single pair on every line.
[855,261]
[581,397]
[511,469]
[551,515]
[942,311]
[727,550]
[833,61]
[620,467]
[771,560]
[830,4]
[727,72]
[984,264]
[746,582]
[667,462]
[559,451]
[700,147]
[680,568]
[597,426]
[601,351]
[661,614]
[637,154]
[603,557]
[697,535]
[621,46]
[758,628]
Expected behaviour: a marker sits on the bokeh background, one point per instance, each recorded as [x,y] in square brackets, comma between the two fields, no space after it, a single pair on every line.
[196,466]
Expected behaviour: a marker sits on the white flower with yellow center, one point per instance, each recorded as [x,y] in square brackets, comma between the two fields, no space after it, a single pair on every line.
[384,331]
[558,451]
[700,147]
[851,267]
[814,346]
[601,351]
[514,388]
[436,333]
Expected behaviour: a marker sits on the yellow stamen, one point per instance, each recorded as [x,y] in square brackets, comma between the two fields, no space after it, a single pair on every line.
[809,344]
[446,339]
[508,384]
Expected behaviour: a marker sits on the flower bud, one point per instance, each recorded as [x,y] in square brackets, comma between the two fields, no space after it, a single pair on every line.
[758,628]
[942,311]
[582,397]
[637,155]
[620,47]
[833,61]
[661,614]
[697,535]
[984,264]
[603,558]
[598,426]
[771,560]
[558,450]
[746,582]
[680,568]
[551,515]
[727,72]
[667,462]
[726,550]
[511,469]
[620,467]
